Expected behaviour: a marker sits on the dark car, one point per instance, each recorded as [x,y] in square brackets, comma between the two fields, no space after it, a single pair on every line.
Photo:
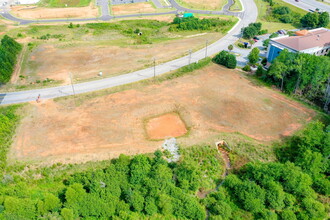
[256,38]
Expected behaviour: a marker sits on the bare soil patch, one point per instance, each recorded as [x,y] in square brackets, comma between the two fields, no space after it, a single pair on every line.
[134,8]
[85,61]
[165,126]
[33,12]
[210,101]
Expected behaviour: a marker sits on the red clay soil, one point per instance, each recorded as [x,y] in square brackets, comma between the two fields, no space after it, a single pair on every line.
[165,126]
[210,101]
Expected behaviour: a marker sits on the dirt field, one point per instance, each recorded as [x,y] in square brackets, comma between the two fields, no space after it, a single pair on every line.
[204,4]
[33,12]
[86,61]
[135,8]
[104,127]
[165,126]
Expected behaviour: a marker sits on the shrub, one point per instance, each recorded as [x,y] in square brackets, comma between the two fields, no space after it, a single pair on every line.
[226,59]
[252,30]
[282,10]
[247,68]
[9,50]
[254,56]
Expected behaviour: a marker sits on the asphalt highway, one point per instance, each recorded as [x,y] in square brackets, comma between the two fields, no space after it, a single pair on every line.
[309,5]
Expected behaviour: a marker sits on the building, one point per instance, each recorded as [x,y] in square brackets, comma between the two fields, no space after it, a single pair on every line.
[316,41]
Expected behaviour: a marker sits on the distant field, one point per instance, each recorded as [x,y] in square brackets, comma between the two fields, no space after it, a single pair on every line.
[203,4]
[86,49]
[65,3]
[103,127]
[263,9]
[32,12]
[135,8]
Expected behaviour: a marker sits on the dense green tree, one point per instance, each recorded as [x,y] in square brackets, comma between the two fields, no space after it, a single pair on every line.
[323,19]
[139,169]
[9,50]
[251,30]
[288,214]
[226,59]
[282,10]
[274,195]
[25,208]
[310,20]
[254,55]
[231,61]
[67,214]
[150,206]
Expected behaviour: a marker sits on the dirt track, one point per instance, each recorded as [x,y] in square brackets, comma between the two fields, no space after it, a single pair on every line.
[211,101]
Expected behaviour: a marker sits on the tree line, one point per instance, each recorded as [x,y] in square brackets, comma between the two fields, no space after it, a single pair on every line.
[192,23]
[148,187]
[286,15]
[9,50]
[304,75]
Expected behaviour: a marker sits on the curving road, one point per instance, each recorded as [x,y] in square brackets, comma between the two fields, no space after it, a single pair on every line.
[248,16]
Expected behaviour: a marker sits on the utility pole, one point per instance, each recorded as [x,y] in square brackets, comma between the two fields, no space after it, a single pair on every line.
[154,67]
[207,42]
[74,93]
[189,56]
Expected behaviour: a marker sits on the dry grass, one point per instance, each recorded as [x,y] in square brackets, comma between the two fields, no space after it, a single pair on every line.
[210,101]
[134,8]
[86,60]
[33,12]
[204,4]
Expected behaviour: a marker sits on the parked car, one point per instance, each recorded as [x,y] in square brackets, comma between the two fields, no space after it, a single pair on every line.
[256,38]
[281,31]
[297,0]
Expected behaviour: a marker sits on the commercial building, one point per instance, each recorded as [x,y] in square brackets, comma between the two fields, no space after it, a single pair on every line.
[316,41]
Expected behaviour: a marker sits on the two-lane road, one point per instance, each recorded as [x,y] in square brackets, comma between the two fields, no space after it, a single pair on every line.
[249,16]
[308,5]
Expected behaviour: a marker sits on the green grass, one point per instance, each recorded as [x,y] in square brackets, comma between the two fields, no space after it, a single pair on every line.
[209,162]
[201,5]
[8,122]
[269,23]
[237,6]
[64,3]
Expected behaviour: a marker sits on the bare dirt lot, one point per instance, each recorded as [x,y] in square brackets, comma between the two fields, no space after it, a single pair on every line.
[204,4]
[135,8]
[85,61]
[165,126]
[33,12]
[210,101]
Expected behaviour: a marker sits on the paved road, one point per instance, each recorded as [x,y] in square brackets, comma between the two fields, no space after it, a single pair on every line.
[308,5]
[222,44]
